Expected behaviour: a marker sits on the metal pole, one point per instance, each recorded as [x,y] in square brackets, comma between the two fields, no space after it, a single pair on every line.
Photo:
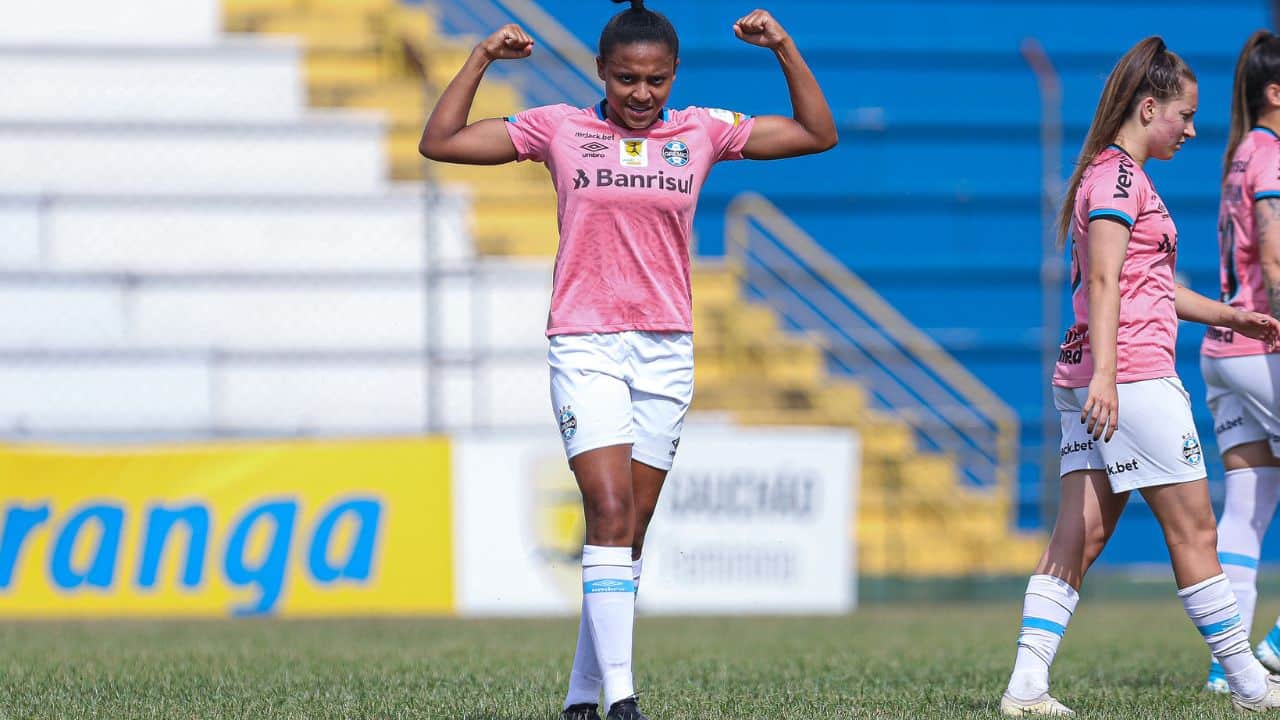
[1051,263]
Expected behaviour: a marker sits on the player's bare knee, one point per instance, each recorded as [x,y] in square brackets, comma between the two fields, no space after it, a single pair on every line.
[610,520]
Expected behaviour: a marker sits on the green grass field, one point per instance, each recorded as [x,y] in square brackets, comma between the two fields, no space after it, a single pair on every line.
[1119,660]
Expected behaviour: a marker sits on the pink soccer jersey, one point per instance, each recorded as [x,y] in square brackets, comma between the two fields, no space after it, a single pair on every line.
[626,204]
[1254,175]
[1115,188]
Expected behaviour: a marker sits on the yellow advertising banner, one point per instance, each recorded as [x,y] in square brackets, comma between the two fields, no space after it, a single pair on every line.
[289,529]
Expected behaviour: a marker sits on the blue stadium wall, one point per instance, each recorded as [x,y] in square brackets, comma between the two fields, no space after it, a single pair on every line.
[933,194]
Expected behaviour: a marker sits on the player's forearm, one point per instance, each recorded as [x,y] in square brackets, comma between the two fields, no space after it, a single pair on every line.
[1104,324]
[1194,307]
[1270,262]
[453,108]
[808,104]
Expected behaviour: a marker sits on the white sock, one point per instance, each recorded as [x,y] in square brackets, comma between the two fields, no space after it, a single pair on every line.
[1046,610]
[609,595]
[1252,494]
[585,680]
[1213,609]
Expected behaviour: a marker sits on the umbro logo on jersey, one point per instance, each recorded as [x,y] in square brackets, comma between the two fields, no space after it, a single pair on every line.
[594,150]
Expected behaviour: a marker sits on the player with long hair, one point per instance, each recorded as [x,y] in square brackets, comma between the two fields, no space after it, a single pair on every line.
[1126,420]
[627,173]
[1241,373]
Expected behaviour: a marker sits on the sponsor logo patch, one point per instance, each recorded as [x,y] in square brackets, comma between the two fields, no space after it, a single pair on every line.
[727,117]
[634,153]
[594,149]
[1123,466]
[1075,446]
[1231,424]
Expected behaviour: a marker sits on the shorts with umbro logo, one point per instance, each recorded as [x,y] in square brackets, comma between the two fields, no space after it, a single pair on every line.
[622,388]
[1155,442]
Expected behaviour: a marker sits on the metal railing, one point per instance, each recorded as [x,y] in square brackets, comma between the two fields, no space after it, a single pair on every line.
[560,70]
[903,370]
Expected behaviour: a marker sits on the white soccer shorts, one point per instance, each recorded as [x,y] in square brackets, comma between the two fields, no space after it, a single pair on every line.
[1155,441]
[626,388]
[1244,398]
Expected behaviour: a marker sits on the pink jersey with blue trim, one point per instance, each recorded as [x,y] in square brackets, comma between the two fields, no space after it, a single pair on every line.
[1115,188]
[1254,175]
[626,200]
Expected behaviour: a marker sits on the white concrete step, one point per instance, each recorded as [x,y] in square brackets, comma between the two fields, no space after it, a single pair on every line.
[324,153]
[230,235]
[232,80]
[120,22]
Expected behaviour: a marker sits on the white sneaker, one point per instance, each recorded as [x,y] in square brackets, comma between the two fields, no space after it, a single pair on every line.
[1267,656]
[1043,705]
[1270,700]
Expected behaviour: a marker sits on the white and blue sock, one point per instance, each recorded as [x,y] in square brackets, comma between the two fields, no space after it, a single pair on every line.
[1251,498]
[1046,610]
[1213,609]
[608,590]
[585,680]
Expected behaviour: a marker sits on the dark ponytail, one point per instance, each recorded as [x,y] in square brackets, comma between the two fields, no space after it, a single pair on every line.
[1148,69]
[1258,66]
[638,24]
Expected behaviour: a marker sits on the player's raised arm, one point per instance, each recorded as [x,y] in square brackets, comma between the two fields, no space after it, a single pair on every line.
[811,129]
[447,136]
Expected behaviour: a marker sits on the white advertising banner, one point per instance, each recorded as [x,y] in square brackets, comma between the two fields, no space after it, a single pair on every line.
[751,520]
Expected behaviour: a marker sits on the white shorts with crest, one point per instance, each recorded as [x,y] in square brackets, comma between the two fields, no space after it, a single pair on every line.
[625,388]
[1155,441]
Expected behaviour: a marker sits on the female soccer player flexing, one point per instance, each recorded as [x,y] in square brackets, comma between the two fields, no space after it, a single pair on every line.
[1119,355]
[627,173]
[1243,374]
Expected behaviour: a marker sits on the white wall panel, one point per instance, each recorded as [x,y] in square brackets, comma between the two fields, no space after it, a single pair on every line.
[52,316]
[245,81]
[119,22]
[316,156]
[19,234]
[347,396]
[48,395]
[237,235]
[253,317]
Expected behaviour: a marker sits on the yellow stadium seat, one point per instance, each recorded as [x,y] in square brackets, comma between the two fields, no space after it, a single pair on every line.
[327,70]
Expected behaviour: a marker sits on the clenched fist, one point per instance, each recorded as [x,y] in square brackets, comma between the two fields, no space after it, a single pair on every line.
[510,42]
[759,28]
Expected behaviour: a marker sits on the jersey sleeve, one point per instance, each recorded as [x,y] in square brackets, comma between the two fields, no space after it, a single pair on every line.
[1113,192]
[1264,171]
[531,131]
[729,131]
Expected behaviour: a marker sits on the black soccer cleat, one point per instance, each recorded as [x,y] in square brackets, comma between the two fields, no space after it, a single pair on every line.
[581,711]
[625,710]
